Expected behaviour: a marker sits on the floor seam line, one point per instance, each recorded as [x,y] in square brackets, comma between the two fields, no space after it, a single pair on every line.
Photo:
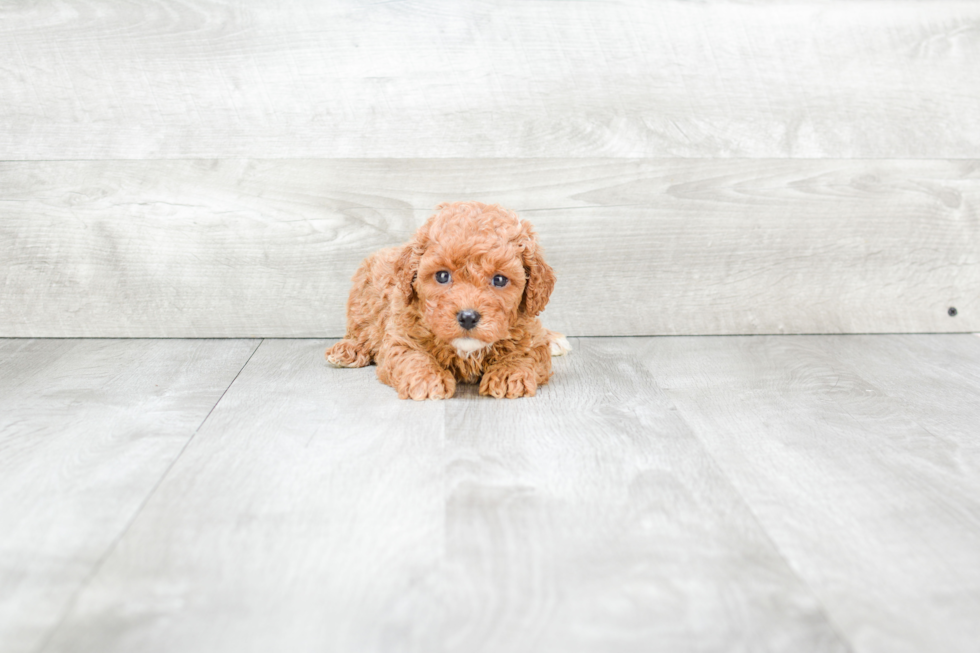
[139,510]
[206,417]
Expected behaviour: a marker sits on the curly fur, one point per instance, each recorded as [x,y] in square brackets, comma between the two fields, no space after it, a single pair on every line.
[402,319]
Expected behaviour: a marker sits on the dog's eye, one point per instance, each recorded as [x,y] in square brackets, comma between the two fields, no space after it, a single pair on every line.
[442,276]
[500,280]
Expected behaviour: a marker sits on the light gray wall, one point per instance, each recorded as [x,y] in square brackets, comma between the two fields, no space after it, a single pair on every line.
[211,169]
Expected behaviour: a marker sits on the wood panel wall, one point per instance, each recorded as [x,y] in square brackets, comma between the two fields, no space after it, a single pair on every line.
[211,169]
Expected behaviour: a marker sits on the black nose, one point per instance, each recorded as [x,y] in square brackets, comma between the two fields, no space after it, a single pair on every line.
[468,318]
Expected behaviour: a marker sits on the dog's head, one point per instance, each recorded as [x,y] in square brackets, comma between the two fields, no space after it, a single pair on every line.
[473,269]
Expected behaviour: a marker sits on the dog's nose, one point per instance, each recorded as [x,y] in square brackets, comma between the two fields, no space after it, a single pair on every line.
[468,318]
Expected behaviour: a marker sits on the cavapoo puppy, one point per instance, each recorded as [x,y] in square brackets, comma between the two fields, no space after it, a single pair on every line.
[459,302]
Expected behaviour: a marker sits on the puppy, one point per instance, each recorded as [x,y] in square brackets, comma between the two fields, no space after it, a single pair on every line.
[459,302]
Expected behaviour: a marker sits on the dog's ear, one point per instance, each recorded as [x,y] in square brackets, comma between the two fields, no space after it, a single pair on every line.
[540,276]
[406,270]
[407,264]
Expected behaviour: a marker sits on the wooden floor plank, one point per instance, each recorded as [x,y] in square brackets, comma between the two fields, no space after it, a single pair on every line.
[87,429]
[315,511]
[766,493]
[879,514]
[934,381]
[310,501]
[597,522]
[957,355]
[254,248]
[97,79]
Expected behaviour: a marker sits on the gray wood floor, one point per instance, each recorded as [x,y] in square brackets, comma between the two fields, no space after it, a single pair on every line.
[780,493]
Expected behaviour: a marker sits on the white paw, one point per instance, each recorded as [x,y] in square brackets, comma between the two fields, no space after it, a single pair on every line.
[336,362]
[560,346]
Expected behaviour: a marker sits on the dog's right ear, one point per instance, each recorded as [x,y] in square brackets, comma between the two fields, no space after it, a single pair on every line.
[406,271]
[407,263]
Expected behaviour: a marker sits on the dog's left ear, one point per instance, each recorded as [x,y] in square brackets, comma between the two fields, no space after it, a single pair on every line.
[540,276]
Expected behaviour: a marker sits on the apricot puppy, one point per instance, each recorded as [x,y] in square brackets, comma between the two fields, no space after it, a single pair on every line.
[459,302]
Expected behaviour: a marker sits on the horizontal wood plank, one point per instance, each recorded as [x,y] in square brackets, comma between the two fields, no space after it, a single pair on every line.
[258,248]
[87,430]
[95,79]
[316,511]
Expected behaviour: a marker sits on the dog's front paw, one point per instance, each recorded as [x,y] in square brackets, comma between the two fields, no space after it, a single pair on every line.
[347,353]
[509,383]
[429,385]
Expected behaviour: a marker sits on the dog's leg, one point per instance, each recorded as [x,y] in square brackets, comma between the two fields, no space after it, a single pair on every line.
[509,382]
[415,374]
[517,375]
[348,353]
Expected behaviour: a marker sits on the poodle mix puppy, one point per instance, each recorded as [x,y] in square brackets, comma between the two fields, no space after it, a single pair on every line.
[459,302]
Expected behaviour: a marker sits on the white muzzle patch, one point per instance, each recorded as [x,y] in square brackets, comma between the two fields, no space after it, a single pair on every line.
[466,346]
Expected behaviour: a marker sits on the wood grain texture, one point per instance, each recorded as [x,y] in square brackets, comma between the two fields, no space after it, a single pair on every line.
[307,504]
[858,464]
[933,381]
[597,522]
[315,511]
[94,79]
[87,429]
[254,248]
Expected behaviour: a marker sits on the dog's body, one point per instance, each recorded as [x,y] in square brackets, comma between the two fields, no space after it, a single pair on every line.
[457,303]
